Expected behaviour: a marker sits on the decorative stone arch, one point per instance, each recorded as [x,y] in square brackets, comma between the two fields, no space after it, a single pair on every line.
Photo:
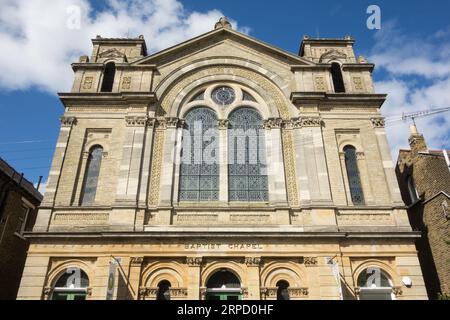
[57,271]
[350,142]
[290,272]
[156,273]
[231,266]
[264,102]
[386,268]
[175,87]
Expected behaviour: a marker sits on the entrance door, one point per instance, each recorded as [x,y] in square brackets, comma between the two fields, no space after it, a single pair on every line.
[227,296]
[224,285]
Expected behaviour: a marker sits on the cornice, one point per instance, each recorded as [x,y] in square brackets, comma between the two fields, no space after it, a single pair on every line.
[99,98]
[338,98]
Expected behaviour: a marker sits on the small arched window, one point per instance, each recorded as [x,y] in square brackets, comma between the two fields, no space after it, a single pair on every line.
[247,169]
[164,290]
[71,285]
[336,75]
[91,177]
[354,180]
[413,196]
[282,290]
[108,77]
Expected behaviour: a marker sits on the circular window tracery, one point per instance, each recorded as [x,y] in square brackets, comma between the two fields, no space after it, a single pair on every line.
[223,96]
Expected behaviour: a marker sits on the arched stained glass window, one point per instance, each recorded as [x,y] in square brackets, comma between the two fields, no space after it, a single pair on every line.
[336,75]
[199,170]
[354,179]
[247,168]
[91,177]
[108,77]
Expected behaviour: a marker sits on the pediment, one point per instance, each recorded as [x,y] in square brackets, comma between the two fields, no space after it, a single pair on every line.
[112,54]
[219,37]
[333,54]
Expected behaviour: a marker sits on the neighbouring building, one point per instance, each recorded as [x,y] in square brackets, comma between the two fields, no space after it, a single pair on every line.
[424,179]
[222,168]
[19,201]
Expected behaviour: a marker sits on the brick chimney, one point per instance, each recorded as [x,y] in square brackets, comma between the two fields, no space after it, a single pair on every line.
[417,141]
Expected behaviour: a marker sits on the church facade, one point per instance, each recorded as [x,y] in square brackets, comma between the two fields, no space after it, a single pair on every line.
[222,168]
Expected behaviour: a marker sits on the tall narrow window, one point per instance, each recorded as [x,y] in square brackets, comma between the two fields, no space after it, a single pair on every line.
[199,170]
[282,290]
[164,290]
[354,179]
[247,168]
[338,81]
[91,177]
[108,77]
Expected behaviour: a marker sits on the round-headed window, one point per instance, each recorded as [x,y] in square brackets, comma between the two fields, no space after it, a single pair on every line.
[223,96]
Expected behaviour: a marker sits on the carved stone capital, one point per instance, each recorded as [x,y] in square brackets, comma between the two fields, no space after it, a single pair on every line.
[143,292]
[223,124]
[273,123]
[398,291]
[253,261]
[136,121]
[203,292]
[298,292]
[173,122]
[194,261]
[378,122]
[68,121]
[310,261]
[47,292]
[360,156]
[151,122]
[136,261]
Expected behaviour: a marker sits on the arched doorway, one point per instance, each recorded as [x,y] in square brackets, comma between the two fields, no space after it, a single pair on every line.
[71,285]
[223,285]
[164,290]
[375,284]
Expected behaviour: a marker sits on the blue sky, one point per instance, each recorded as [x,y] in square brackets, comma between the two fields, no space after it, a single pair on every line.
[411,50]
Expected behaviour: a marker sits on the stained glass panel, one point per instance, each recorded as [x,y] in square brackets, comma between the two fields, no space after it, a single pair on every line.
[91,176]
[199,170]
[354,180]
[247,168]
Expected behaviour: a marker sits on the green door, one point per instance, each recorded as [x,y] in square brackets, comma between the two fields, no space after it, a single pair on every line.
[224,296]
[68,296]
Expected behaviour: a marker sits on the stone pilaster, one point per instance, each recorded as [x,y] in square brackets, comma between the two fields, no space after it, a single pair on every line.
[194,269]
[223,150]
[253,278]
[44,215]
[388,165]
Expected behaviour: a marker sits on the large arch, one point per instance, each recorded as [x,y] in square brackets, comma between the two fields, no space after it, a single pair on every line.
[175,87]
[157,272]
[287,271]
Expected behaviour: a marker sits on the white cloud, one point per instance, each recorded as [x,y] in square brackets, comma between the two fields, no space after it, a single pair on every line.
[38,46]
[417,77]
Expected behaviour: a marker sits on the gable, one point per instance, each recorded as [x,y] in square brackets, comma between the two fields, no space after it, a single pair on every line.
[216,37]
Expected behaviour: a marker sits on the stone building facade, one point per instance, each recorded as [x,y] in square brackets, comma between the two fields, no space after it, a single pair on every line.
[424,179]
[316,214]
[19,201]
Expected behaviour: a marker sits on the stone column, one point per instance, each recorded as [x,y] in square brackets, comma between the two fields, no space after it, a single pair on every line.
[45,211]
[146,163]
[223,158]
[253,278]
[177,160]
[388,166]
[194,269]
